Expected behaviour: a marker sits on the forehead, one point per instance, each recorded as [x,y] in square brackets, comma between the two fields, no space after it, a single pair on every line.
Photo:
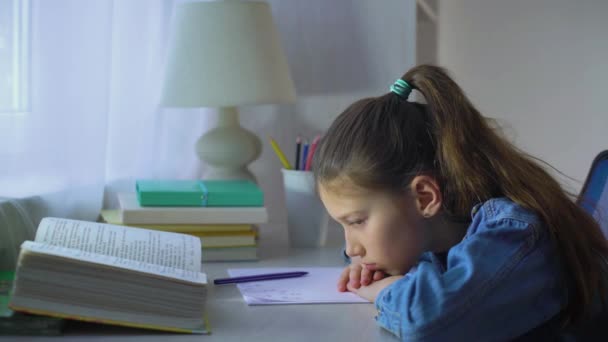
[343,198]
[342,188]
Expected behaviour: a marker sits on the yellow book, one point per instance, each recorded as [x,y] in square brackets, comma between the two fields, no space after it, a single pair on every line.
[244,253]
[113,217]
[227,239]
[112,274]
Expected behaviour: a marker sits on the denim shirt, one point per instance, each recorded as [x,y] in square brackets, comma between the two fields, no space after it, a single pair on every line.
[501,281]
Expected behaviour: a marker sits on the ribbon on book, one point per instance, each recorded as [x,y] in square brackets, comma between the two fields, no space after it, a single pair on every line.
[205,192]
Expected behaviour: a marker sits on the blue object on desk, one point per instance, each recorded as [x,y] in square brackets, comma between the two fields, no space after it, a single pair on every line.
[258,277]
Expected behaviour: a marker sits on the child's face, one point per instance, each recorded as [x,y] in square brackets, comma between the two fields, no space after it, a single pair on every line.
[382,228]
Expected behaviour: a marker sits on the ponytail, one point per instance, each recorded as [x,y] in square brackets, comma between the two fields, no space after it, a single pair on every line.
[475,164]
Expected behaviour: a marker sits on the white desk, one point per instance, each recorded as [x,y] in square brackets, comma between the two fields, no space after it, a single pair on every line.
[232,320]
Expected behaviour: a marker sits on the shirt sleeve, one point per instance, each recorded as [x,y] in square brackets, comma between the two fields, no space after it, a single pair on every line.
[500,282]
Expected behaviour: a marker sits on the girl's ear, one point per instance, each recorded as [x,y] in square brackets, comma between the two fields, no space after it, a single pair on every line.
[427,195]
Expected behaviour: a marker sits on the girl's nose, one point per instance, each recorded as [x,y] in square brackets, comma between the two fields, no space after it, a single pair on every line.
[353,247]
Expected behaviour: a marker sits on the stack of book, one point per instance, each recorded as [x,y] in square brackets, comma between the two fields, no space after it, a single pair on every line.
[224,214]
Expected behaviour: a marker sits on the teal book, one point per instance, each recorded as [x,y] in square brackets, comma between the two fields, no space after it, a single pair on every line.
[198,193]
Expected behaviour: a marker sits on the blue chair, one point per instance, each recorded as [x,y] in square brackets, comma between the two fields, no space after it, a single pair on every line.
[594,199]
[594,195]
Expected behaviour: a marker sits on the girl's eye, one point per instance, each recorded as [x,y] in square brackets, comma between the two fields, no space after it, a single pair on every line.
[356,222]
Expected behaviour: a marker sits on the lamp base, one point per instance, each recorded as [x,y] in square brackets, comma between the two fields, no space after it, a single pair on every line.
[228,148]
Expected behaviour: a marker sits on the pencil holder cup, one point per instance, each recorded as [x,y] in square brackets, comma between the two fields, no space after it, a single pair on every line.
[307,218]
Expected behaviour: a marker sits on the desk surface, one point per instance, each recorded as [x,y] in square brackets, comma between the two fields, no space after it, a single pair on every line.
[232,320]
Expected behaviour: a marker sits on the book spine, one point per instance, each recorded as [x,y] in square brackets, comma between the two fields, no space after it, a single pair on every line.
[254,216]
[194,230]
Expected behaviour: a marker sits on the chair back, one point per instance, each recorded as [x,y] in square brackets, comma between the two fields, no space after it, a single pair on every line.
[594,195]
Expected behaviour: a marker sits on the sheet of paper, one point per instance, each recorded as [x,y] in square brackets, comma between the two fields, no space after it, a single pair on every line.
[150,246]
[318,286]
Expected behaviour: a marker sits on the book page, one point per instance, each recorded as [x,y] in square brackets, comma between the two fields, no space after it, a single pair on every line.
[150,246]
[113,261]
[318,286]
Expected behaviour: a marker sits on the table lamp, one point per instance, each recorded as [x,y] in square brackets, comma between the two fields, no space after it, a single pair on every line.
[226,54]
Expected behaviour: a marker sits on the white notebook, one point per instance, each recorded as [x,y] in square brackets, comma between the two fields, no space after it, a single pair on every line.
[318,286]
[132,213]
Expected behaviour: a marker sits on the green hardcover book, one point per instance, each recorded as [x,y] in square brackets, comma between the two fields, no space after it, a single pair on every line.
[17,323]
[199,193]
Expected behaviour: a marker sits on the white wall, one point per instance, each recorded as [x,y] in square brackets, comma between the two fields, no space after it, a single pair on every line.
[540,66]
[426,32]
[338,52]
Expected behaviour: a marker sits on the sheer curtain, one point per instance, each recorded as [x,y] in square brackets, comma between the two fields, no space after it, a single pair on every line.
[94,124]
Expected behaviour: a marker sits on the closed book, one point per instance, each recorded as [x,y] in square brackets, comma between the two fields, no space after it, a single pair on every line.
[198,193]
[226,239]
[133,213]
[249,253]
[111,274]
[112,216]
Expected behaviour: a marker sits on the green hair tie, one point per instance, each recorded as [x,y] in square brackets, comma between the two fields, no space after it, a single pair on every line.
[401,88]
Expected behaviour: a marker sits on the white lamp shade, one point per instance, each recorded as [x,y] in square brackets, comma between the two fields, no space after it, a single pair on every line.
[225,53]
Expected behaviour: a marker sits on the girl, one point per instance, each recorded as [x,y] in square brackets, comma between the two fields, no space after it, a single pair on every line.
[455,234]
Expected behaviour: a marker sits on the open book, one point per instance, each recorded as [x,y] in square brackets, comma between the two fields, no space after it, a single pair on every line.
[112,274]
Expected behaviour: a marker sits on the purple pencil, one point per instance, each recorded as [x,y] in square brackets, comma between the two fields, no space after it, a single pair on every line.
[259,277]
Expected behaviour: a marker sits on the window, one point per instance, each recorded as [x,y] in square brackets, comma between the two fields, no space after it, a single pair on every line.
[14,56]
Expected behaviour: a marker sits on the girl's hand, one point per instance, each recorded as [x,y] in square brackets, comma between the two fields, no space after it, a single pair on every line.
[371,291]
[354,276]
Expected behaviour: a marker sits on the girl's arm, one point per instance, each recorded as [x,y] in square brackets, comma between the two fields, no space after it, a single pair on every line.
[501,281]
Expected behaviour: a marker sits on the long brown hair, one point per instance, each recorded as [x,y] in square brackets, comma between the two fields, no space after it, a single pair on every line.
[383,142]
